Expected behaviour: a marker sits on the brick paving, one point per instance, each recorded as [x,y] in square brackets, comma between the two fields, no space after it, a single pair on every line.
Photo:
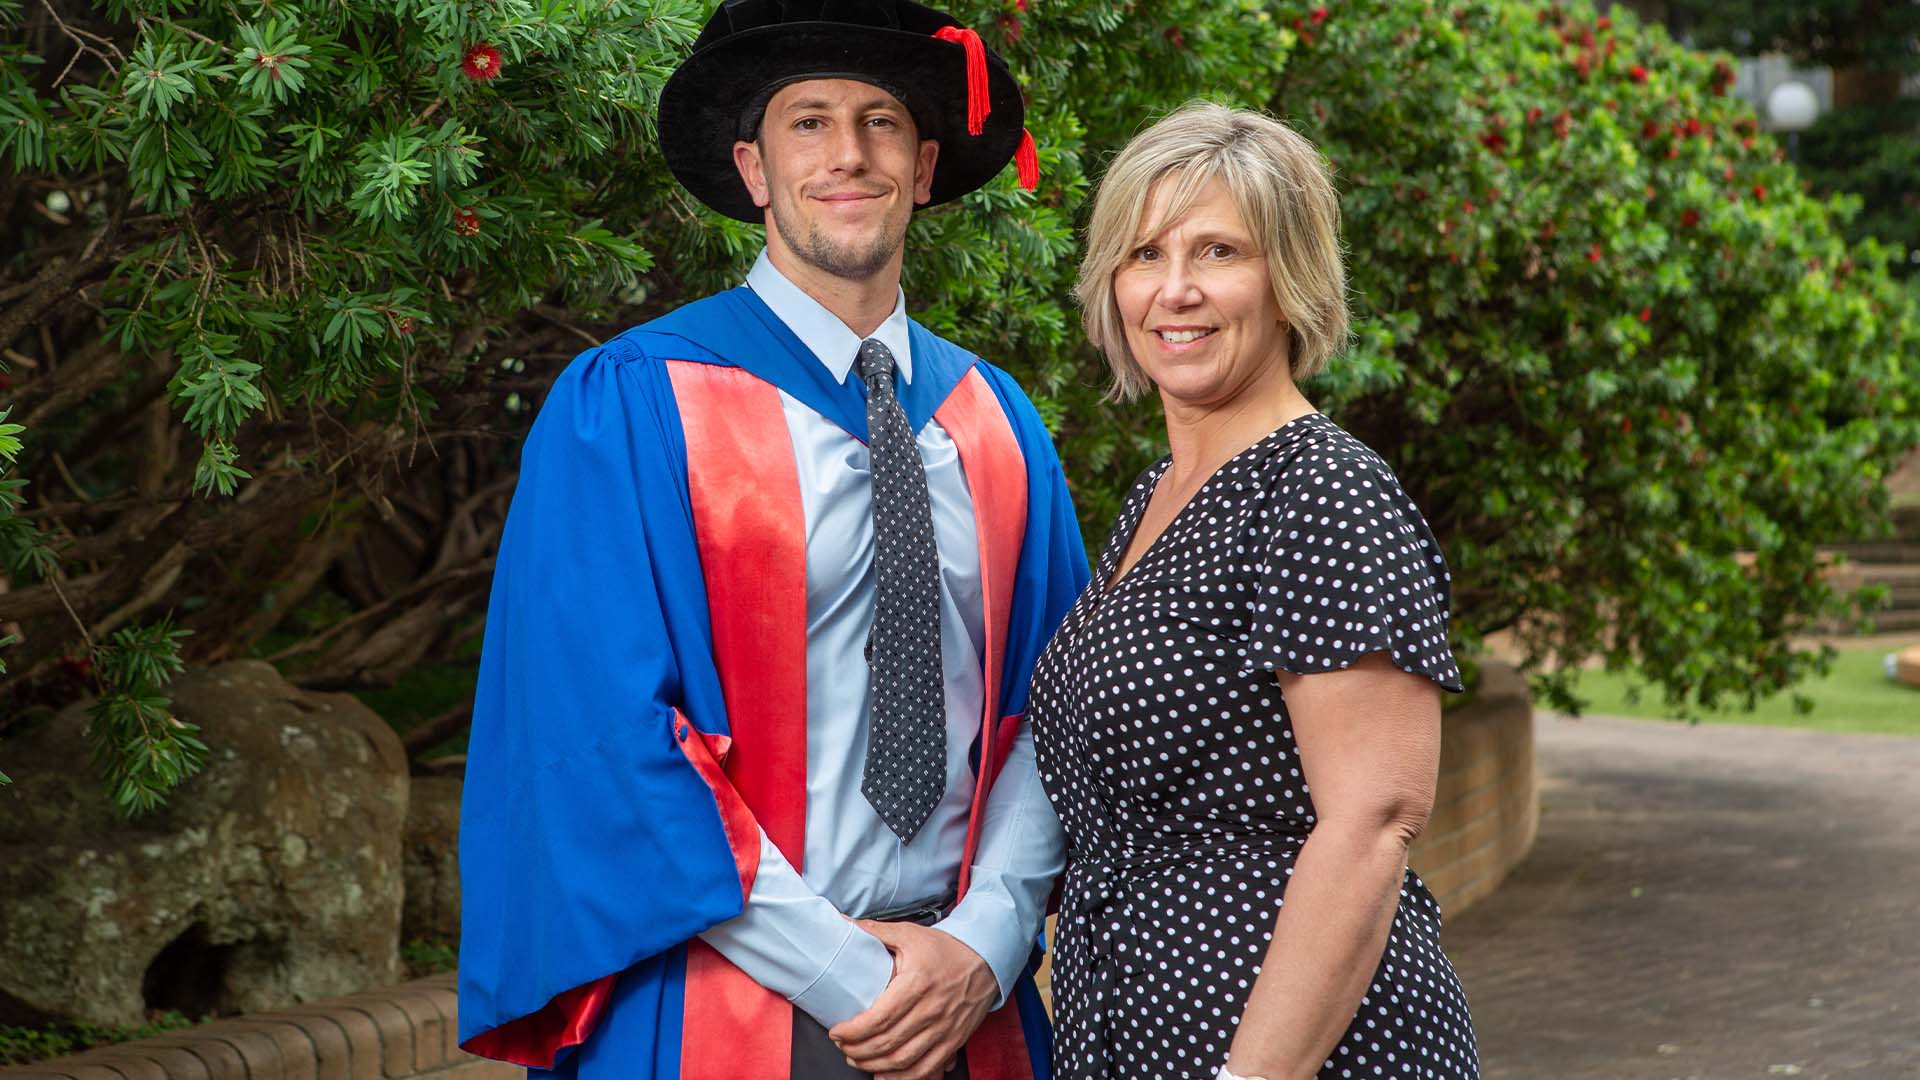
[1705,903]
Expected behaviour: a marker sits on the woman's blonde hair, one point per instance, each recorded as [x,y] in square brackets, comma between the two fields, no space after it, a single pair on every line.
[1282,190]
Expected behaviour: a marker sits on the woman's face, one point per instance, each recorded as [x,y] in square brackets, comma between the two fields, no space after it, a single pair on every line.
[1197,304]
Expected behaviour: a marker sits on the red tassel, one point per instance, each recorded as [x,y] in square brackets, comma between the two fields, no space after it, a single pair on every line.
[1026,161]
[978,106]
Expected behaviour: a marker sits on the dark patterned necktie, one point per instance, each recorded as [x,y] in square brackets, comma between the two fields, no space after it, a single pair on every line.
[906,767]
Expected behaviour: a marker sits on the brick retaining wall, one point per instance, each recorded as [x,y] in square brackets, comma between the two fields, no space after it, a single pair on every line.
[401,1031]
[1485,811]
[1483,822]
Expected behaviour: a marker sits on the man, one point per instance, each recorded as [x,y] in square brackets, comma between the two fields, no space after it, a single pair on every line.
[749,792]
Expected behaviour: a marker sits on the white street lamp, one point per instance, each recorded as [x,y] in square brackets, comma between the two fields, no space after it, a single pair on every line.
[1792,106]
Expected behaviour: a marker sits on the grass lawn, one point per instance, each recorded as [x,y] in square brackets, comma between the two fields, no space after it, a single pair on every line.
[1855,695]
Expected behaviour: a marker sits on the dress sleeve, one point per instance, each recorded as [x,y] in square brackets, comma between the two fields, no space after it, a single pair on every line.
[1346,566]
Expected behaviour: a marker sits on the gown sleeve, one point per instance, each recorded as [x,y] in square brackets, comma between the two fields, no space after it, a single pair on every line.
[1347,567]
[596,827]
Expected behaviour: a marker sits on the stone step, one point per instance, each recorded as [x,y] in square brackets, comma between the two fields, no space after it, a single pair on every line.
[1892,550]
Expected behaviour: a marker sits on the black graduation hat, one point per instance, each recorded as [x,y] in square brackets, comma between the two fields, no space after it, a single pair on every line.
[958,90]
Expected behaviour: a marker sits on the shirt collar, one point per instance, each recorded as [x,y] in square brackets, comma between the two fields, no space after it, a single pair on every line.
[832,342]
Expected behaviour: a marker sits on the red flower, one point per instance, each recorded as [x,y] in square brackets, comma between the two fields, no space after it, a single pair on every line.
[1646,313]
[1637,73]
[1603,23]
[1746,142]
[1467,206]
[1689,218]
[1174,35]
[1547,231]
[1583,64]
[1319,15]
[1562,124]
[1626,425]
[1650,130]
[1593,254]
[1011,27]
[1760,193]
[466,221]
[1692,126]
[404,326]
[482,63]
[1020,5]
[1493,141]
[1727,172]
[1533,115]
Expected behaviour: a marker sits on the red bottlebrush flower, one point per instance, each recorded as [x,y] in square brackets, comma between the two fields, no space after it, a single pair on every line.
[466,221]
[1019,5]
[1604,22]
[1746,142]
[1319,15]
[1693,126]
[1637,73]
[404,326]
[1646,314]
[1593,254]
[1562,124]
[1548,230]
[1586,38]
[1467,206]
[1010,26]
[1493,141]
[1174,35]
[1534,114]
[482,63]
[1727,172]
[1583,64]
[1689,218]
[1626,425]
[1650,130]
[1759,193]
[1612,44]
[1652,193]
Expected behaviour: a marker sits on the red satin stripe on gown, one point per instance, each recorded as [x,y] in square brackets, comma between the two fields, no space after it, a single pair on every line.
[990,455]
[752,532]
[536,1039]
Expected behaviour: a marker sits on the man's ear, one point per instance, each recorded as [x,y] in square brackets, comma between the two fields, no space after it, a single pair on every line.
[923,170]
[746,158]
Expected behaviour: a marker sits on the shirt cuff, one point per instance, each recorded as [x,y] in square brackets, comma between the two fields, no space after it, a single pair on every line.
[987,923]
[851,982]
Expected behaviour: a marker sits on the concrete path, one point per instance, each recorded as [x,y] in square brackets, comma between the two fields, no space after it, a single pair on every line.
[1708,903]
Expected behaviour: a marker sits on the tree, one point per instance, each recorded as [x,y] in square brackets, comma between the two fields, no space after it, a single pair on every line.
[289,282]
[1867,145]
[1630,368]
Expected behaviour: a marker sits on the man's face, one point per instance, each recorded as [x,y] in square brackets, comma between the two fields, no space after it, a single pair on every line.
[839,167]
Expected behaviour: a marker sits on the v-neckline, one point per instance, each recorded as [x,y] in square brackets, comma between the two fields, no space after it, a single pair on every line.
[1110,563]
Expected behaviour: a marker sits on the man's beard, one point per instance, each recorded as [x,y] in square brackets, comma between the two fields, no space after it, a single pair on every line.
[816,248]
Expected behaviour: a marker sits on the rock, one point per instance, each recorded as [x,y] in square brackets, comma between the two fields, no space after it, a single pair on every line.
[1906,665]
[272,876]
[432,861]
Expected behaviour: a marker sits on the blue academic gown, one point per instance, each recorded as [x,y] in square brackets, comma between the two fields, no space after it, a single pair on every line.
[589,847]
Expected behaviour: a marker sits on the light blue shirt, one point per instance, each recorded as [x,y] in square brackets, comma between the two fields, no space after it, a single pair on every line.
[792,938]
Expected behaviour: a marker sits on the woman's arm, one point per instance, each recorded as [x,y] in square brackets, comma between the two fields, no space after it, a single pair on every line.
[1369,739]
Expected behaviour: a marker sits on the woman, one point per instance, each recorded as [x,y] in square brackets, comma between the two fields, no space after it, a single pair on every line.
[1245,701]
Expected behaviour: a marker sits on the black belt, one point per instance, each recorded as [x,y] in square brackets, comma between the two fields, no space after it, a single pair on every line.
[924,912]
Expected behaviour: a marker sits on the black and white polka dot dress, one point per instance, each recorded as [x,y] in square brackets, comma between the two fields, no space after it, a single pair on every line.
[1165,746]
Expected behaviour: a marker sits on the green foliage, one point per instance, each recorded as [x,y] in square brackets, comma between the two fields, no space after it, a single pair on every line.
[1880,35]
[1626,365]
[23,1045]
[141,748]
[1872,153]
[429,956]
[1632,372]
